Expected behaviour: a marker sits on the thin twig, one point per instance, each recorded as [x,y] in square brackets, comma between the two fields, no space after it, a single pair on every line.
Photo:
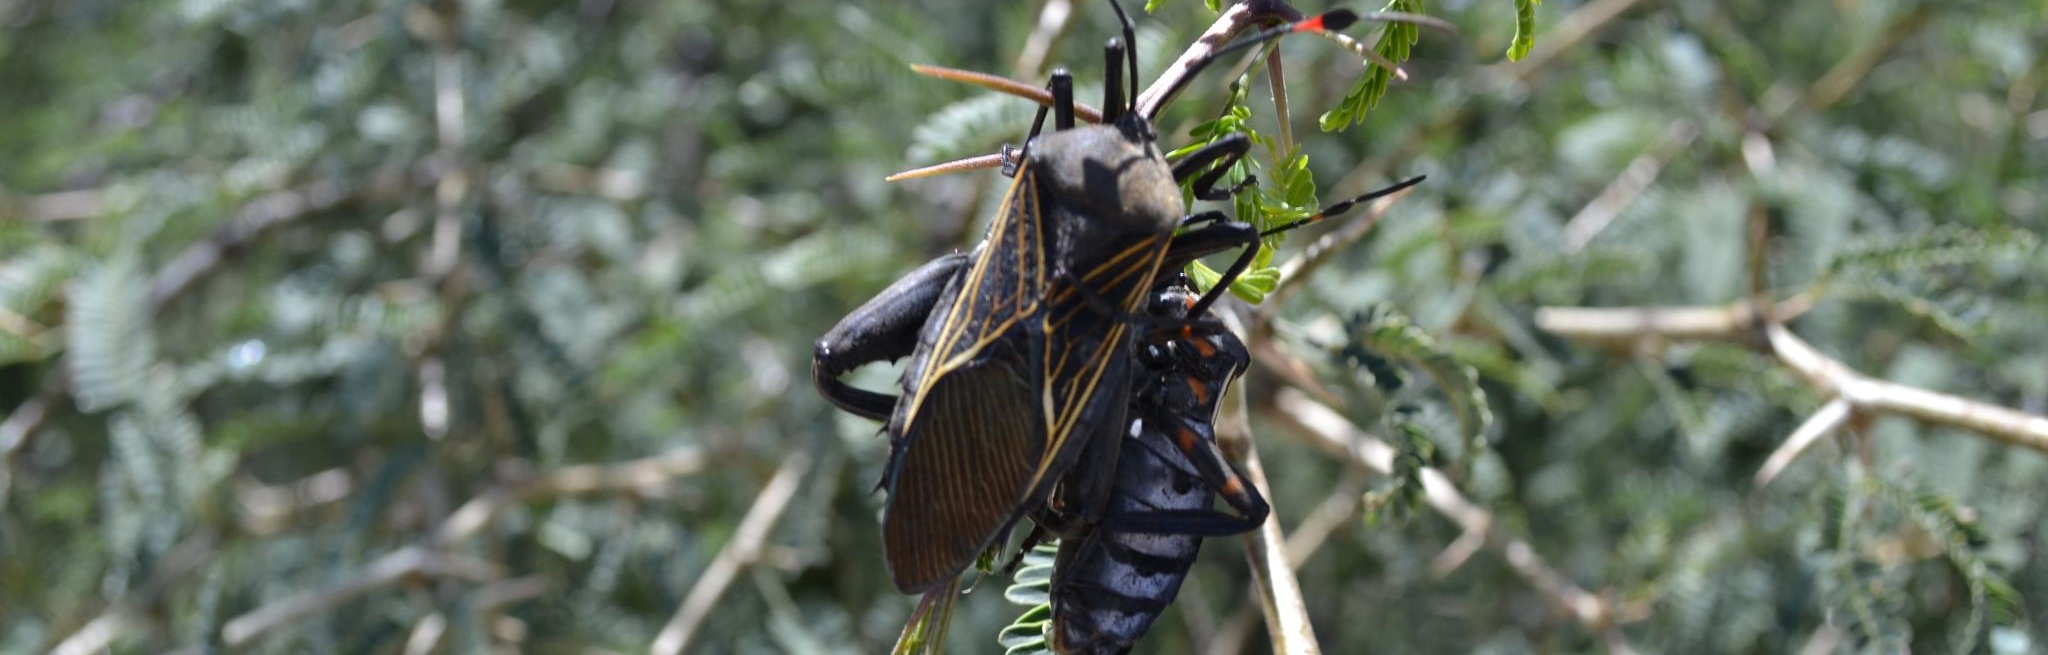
[1626,187]
[645,476]
[1864,393]
[1829,377]
[1278,591]
[54,206]
[1053,20]
[188,556]
[1233,20]
[391,569]
[1276,77]
[1850,71]
[23,327]
[261,215]
[743,549]
[1823,423]
[1631,325]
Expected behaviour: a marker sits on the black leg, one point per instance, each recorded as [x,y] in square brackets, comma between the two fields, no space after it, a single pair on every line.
[1102,306]
[1218,235]
[883,329]
[1061,86]
[1197,442]
[1216,159]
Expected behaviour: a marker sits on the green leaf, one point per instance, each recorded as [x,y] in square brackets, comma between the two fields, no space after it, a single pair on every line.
[1382,335]
[1962,540]
[111,345]
[1942,246]
[1395,44]
[1032,587]
[1525,29]
[1289,197]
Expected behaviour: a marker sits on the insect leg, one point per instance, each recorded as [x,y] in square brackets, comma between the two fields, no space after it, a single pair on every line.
[1215,158]
[883,329]
[1221,235]
[1197,443]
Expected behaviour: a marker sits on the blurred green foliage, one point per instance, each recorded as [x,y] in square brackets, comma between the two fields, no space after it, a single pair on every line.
[287,287]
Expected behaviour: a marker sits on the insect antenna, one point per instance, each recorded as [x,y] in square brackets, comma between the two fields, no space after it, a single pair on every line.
[1346,205]
[1336,19]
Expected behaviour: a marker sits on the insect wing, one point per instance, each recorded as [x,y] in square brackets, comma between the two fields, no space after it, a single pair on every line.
[971,436]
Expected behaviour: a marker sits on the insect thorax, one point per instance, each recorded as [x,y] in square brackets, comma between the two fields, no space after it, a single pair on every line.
[1112,174]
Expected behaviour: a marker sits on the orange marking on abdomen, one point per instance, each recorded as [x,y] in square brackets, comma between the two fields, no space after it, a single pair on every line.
[1233,487]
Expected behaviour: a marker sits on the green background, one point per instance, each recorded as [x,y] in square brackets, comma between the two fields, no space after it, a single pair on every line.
[285,285]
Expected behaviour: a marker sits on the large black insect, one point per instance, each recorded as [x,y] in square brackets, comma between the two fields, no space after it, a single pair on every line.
[1113,578]
[1021,350]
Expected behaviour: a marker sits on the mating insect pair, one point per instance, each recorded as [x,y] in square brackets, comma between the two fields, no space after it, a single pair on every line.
[1024,352]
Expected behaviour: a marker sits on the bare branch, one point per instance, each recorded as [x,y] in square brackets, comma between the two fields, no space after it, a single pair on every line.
[54,206]
[1823,423]
[1850,71]
[388,570]
[1273,577]
[1053,20]
[188,556]
[1626,187]
[1864,393]
[1628,325]
[1234,19]
[1278,591]
[1827,376]
[261,215]
[744,549]
[645,476]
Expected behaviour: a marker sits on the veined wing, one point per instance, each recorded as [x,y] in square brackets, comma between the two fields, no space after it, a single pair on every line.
[1081,341]
[969,438]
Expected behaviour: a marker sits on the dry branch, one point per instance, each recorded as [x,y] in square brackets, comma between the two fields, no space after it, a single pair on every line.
[645,476]
[744,549]
[1634,179]
[1864,393]
[1823,423]
[641,476]
[388,570]
[1273,580]
[1643,325]
[96,635]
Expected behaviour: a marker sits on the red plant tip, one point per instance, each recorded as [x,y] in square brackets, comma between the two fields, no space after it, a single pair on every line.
[1335,19]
